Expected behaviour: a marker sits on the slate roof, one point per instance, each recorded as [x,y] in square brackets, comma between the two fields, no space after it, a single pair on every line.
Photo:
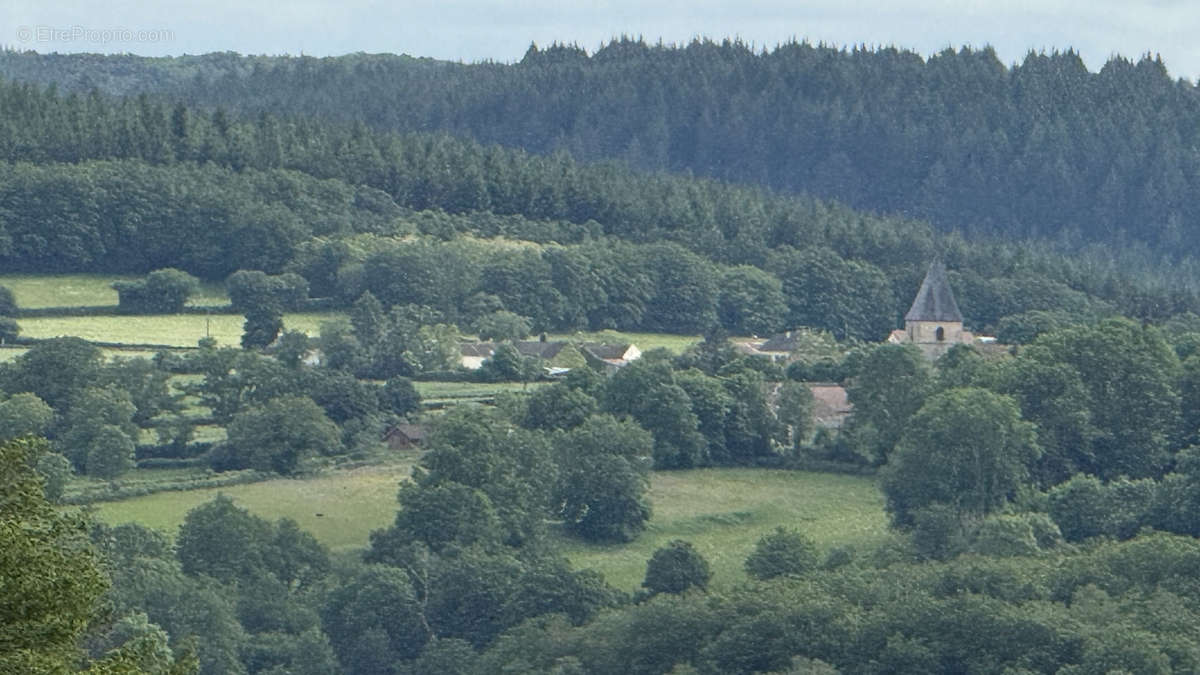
[935,301]
[539,349]
[605,351]
[783,342]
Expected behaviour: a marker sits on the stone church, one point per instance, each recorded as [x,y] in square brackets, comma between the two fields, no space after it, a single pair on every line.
[933,323]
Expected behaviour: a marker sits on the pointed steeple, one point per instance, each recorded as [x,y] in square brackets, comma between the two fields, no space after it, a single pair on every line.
[935,301]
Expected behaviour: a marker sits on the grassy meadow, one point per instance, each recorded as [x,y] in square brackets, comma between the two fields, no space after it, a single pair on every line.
[452,392]
[178,330]
[723,512]
[340,508]
[35,291]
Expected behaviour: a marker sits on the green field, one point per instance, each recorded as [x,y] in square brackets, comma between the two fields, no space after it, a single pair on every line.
[722,512]
[468,391]
[86,290]
[340,509]
[180,330]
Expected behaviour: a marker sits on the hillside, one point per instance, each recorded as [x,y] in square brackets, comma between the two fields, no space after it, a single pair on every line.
[133,184]
[1043,148]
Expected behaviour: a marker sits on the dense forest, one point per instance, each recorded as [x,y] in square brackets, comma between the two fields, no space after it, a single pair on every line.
[131,185]
[1043,148]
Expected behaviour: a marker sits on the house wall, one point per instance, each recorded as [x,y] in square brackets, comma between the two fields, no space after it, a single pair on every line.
[473,362]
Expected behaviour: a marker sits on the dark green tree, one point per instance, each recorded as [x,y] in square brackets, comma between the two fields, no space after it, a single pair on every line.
[8,303]
[109,453]
[603,479]
[891,384]
[24,415]
[782,552]
[54,370]
[281,434]
[968,448]
[52,577]
[675,568]
[261,327]
[163,291]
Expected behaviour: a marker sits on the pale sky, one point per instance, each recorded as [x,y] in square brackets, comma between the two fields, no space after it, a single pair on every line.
[475,30]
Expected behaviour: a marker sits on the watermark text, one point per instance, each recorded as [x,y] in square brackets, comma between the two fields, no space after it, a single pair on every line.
[84,34]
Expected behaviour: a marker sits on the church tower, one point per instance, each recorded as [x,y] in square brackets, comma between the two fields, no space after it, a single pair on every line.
[933,323]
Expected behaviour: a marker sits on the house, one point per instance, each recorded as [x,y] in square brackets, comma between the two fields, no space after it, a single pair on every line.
[779,348]
[831,406]
[556,355]
[933,323]
[609,357]
[404,436]
[473,354]
[546,350]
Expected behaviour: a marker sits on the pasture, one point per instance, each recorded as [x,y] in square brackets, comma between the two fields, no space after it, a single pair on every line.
[447,393]
[177,330]
[723,512]
[36,291]
[340,508]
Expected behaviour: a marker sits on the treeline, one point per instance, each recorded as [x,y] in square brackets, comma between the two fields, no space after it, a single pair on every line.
[132,185]
[1043,148]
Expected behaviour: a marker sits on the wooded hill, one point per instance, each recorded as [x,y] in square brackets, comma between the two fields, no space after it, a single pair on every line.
[92,183]
[1043,148]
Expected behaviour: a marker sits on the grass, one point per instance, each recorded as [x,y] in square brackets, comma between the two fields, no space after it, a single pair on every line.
[644,341]
[340,509]
[80,290]
[457,391]
[179,330]
[723,512]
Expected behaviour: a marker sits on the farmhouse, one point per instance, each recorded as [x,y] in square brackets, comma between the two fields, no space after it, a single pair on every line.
[609,357]
[404,436]
[555,354]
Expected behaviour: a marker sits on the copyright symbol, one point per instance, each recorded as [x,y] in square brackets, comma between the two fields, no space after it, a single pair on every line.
[24,33]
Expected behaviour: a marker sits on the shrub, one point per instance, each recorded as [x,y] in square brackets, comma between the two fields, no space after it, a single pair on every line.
[163,291]
[675,568]
[782,552]
[8,304]
[1005,536]
[9,329]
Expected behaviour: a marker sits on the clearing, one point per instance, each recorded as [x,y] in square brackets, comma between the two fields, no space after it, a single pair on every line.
[723,512]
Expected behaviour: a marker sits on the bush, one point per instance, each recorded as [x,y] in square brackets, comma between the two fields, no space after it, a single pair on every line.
[9,329]
[782,552]
[938,532]
[675,568]
[8,304]
[1006,537]
[1085,507]
[253,289]
[163,291]
[56,470]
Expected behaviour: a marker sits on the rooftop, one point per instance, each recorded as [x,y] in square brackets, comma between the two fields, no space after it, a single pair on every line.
[935,301]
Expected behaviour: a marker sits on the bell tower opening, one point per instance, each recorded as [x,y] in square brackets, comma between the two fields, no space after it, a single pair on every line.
[940,334]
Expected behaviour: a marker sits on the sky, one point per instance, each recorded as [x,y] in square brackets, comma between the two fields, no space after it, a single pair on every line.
[478,30]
